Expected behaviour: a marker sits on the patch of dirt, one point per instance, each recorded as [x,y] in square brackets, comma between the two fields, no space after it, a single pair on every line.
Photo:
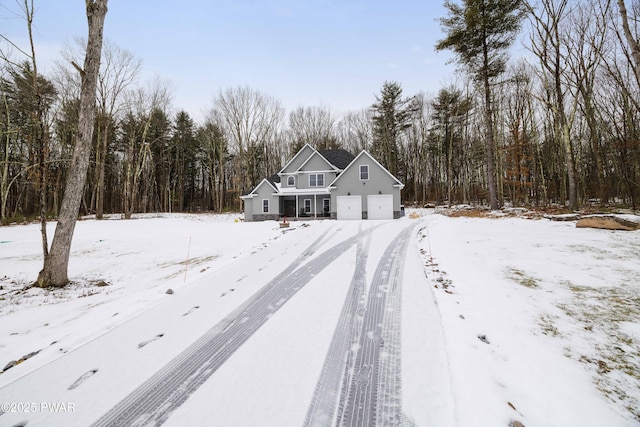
[616,362]
[522,278]
[189,264]
[530,212]
[547,323]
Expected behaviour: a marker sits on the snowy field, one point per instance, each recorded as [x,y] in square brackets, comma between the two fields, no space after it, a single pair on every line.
[502,319]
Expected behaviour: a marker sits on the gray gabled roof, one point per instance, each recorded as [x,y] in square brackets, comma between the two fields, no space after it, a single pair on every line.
[339,158]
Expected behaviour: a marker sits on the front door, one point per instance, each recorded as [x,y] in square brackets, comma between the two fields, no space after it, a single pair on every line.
[290,208]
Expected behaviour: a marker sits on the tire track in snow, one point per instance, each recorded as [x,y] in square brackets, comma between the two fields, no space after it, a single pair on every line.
[322,411]
[389,402]
[373,393]
[165,391]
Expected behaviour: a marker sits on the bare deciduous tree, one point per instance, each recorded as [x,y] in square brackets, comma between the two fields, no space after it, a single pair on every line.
[119,70]
[146,107]
[585,41]
[252,121]
[355,130]
[56,262]
[549,44]
[314,126]
[632,41]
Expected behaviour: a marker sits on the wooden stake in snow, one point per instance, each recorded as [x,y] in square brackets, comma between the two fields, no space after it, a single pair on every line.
[186,265]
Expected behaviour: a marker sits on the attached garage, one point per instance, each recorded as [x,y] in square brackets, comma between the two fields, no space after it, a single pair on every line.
[380,206]
[349,207]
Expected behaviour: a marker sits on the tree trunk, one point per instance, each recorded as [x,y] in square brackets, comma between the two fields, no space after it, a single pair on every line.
[491,160]
[633,43]
[56,262]
[101,171]
[594,138]
[4,181]
[571,166]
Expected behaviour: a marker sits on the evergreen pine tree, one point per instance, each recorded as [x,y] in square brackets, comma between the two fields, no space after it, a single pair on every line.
[480,33]
[391,116]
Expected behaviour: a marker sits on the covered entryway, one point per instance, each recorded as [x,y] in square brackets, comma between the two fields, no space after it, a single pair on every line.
[380,206]
[349,207]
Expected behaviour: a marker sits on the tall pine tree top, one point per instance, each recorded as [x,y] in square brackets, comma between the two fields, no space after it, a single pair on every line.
[391,116]
[480,32]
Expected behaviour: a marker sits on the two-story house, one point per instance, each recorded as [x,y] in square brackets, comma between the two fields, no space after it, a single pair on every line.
[326,183]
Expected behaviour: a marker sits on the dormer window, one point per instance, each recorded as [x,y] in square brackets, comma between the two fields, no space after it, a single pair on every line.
[291,181]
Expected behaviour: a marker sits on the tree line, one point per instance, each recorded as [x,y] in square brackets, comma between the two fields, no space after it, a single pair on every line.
[558,125]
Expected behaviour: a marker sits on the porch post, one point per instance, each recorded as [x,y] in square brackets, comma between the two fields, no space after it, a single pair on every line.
[315,206]
[297,206]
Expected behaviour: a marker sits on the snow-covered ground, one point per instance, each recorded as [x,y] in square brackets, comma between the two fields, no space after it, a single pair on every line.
[503,319]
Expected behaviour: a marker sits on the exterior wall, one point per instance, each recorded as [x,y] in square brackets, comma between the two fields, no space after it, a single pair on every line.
[248,209]
[303,179]
[284,181]
[379,182]
[264,191]
[316,163]
[298,159]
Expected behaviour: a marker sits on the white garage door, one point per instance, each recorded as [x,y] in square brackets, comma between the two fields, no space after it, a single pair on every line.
[349,207]
[380,206]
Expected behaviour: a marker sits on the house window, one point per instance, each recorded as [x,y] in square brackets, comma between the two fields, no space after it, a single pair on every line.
[265,205]
[326,205]
[316,180]
[364,172]
[291,181]
[307,206]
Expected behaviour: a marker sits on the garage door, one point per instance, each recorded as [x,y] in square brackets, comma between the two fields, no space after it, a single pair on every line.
[380,206]
[349,207]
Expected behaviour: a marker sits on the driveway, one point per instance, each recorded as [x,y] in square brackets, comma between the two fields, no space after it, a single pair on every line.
[328,326]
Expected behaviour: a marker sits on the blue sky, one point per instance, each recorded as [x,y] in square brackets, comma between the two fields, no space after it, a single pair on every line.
[333,53]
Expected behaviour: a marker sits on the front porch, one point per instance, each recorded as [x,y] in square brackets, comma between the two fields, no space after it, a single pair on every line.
[305,206]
